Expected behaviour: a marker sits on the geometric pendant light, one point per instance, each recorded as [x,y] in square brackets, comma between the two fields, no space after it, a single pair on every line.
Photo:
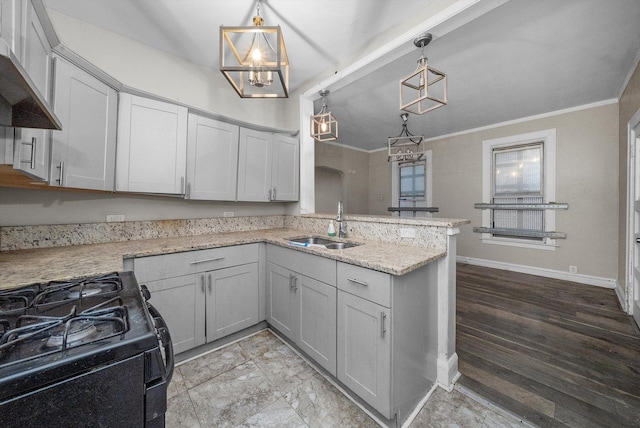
[324,125]
[426,88]
[406,147]
[254,59]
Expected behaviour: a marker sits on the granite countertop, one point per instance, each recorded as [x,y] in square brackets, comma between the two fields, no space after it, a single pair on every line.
[22,267]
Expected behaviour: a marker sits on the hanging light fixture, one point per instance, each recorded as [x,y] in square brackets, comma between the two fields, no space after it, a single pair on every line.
[324,125]
[406,147]
[426,88]
[254,59]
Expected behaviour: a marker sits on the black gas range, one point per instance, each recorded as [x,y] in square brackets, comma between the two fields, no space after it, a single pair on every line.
[90,352]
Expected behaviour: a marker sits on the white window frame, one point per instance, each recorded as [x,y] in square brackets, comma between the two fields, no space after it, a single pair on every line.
[548,138]
[395,181]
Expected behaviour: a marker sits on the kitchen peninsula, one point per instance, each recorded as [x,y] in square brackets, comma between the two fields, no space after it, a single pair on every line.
[32,254]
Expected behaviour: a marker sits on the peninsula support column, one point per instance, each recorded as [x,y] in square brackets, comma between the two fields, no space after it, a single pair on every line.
[447,358]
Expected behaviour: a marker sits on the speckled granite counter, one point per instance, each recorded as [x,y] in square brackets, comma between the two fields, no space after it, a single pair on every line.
[21,267]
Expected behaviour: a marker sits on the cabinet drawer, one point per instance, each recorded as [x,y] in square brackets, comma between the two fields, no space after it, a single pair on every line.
[313,266]
[366,283]
[178,264]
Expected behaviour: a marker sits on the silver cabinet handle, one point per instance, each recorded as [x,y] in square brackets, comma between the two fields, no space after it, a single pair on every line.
[215,259]
[295,284]
[202,282]
[358,281]
[61,167]
[182,185]
[210,284]
[273,194]
[383,329]
[269,196]
[33,144]
[188,195]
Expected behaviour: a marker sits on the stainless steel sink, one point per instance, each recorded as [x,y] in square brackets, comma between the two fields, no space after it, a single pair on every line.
[340,245]
[312,240]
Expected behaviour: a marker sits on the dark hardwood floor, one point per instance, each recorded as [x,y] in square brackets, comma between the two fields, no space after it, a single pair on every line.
[553,352]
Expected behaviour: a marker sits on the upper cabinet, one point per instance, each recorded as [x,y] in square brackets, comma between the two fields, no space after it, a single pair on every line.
[31,146]
[267,167]
[152,146]
[11,18]
[212,159]
[83,153]
[285,175]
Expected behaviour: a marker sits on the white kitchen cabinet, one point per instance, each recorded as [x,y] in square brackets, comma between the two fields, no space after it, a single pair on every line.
[364,350]
[83,153]
[300,305]
[268,167]
[152,146]
[11,19]
[232,300]
[31,146]
[203,295]
[254,165]
[212,159]
[285,171]
[181,303]
[282,301]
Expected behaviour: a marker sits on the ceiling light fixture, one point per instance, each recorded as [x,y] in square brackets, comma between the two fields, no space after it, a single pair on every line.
[262,70]
[324,125]
[426,88]
[406,147]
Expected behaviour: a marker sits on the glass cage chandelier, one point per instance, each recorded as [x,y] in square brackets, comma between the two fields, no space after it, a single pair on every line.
[406,147]
[324,125]
[254,59]
[426,88]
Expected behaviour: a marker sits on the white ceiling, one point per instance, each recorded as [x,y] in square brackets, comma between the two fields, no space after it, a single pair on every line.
[520,59]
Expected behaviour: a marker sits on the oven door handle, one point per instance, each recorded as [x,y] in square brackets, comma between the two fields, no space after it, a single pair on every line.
[165,338]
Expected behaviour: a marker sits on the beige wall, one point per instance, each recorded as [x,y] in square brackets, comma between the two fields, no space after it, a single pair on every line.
[379,184]
[629,105]
[353,165]
[586,178]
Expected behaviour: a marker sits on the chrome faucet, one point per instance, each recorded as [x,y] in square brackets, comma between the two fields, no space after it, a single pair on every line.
[342,225]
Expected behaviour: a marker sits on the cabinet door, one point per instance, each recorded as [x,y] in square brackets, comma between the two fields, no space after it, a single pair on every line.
[285,176]
[11,25]
[152,146]
[181,302]
[282,302]
[364,350]
[31,146]
[83,153]
[232,300]
[317,336]
[212,159]
[254,165]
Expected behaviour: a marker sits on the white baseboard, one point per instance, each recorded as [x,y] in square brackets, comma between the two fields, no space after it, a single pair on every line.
[548,273]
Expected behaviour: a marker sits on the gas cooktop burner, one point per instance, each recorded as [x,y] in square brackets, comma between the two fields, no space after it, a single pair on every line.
[79,332]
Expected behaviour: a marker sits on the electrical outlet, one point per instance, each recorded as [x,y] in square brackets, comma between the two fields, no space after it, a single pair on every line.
[114,217]
[407,233]
[573,269]
[229,214]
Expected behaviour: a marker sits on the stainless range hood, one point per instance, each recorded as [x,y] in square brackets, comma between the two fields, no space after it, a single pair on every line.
[21,104]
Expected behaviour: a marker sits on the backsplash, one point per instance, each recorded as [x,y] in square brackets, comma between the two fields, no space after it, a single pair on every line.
[430,233]
[59,235]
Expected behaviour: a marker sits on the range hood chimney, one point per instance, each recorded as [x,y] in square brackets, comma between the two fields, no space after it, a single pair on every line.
[21,104]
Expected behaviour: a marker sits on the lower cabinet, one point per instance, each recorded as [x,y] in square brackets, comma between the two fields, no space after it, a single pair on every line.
[220,297]
[232,300]
[364,350]
[300,307]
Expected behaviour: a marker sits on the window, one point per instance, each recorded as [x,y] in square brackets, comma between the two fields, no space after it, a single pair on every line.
[411,183]
[412,180]
[519,169]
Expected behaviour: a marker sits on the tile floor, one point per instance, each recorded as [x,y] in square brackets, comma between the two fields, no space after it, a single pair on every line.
[260,382]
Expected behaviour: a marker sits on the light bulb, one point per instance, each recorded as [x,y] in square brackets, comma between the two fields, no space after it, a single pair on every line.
[323,126]
[255,55]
